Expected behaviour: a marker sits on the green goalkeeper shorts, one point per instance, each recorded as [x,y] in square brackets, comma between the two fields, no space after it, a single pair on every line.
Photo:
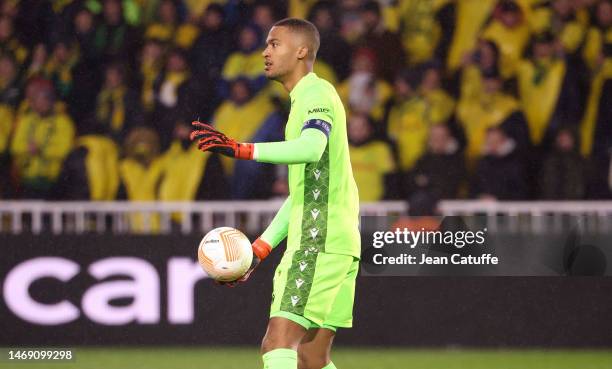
[315,289]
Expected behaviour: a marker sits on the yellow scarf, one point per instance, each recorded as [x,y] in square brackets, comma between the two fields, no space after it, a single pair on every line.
[111,107]
[149,72]
[540,85]
[587,127]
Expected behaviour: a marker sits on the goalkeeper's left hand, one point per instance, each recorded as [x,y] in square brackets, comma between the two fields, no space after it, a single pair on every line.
[261,250]
[209,139]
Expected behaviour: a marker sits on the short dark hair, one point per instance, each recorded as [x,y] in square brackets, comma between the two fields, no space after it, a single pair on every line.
[305,27]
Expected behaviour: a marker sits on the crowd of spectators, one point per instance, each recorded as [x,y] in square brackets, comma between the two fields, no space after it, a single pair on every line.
[490,99]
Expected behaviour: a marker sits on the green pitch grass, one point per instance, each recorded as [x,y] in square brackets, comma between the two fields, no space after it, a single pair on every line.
[344,358]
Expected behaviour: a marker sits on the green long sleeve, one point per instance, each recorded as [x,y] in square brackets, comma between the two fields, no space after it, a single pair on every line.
[308,148]
[278,228]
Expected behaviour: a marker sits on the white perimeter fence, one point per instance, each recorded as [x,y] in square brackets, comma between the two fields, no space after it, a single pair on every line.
[38,217]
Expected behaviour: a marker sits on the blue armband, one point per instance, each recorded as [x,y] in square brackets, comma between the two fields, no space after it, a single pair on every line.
[319,124]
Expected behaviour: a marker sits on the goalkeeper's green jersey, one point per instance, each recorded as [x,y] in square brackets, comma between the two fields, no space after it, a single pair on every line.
[324,203]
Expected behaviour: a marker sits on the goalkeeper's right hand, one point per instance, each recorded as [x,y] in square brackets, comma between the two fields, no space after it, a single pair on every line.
[261,250]
[209,139]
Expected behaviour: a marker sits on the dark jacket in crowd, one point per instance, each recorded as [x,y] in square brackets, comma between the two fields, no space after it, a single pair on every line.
[503,177]
[442,173]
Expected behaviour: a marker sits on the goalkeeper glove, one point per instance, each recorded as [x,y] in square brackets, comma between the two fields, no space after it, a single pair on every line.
[261,250]
[209,139]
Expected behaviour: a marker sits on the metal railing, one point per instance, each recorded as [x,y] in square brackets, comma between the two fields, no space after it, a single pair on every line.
[198,217]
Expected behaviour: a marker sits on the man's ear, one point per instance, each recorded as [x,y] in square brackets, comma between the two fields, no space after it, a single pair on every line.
[302,52]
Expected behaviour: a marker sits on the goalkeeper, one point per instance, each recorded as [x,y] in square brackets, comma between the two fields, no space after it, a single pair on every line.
[314,284]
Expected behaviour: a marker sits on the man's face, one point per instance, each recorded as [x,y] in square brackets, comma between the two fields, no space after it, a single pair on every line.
[492,85]
[176,63]
[113,78]
[248,39]
[281,54]
[324,20]
[438,139]
[494,141]
[604,13]
[359,129]
[112,11]
[41,102]
[7,68]
[370,19]
[212,20]
[239,92]
[6,28]
[543,50]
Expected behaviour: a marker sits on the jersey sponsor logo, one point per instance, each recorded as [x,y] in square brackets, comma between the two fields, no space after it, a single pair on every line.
[294,300]
[299,282]
[317,174]
[303,265]
[314,232]
[316,192]
[315,213]
[318,110]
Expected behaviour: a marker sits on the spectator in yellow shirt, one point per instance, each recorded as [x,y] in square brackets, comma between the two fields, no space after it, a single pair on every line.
[598,44]
[59,66]
[90,171]
[420,29]
[43,138]
[188,175]
[492,108]
[484,58]
[241,116]
[371,158]
[6,129]
[9,81]
[471,15]
[117,106]
[246,62]
[9,43]
[549,96]
[164,28]
[564,20]
[419,103]
[510,31]
[151,65]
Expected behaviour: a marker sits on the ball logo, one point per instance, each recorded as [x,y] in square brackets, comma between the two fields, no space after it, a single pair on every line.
[231,239]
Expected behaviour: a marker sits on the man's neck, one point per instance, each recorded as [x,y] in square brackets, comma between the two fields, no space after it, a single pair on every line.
[296,75]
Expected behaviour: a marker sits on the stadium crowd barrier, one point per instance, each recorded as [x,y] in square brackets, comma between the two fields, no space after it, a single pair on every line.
[37,217]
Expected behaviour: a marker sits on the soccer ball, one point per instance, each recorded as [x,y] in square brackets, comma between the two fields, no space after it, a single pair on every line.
[225,254]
